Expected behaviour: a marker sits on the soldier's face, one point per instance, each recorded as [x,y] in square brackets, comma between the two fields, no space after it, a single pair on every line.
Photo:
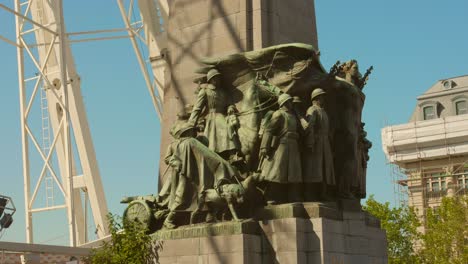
[215,80]
[319,100]
[288,104]
[354,70]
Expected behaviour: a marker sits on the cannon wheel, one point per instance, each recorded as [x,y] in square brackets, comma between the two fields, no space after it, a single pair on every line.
[139,211]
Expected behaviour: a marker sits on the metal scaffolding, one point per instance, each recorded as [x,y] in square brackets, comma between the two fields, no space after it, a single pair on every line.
[68,176]
[421,181]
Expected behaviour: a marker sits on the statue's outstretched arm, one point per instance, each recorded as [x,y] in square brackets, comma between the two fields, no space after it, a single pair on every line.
[169,153]
[268,87]
[198,107]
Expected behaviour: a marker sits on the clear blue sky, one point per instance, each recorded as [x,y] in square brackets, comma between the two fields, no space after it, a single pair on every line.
[411,44]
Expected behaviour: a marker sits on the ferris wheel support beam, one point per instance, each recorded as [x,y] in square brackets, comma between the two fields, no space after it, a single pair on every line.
[51,60]
[24,139]
[66,126]
[154,14]
[149,84]
[18,14]
[58,83]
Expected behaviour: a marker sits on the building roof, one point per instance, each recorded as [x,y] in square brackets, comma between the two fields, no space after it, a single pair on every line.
[439,87]
[442,92]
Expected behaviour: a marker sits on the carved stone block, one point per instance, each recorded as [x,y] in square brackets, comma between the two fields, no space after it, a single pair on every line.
[298,239]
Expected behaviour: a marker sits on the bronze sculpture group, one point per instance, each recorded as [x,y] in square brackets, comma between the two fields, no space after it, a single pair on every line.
[270,124]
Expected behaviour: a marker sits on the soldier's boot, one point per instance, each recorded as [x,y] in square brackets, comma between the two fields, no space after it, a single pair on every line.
[169,222]
[210,217]
[194,216]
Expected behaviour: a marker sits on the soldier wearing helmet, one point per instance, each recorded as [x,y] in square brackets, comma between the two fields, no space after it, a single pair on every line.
[281,167]
[317,158]
[215,100]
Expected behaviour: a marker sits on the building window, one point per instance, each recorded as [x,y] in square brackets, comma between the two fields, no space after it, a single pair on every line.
[462,180]
[429,112]
[435,182]
[448,84]
[443,185]
[461,107]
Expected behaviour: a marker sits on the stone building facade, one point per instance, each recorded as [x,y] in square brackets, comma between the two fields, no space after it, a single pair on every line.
[432,148]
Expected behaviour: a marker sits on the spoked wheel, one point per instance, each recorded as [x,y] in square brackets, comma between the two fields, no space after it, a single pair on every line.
[138,211]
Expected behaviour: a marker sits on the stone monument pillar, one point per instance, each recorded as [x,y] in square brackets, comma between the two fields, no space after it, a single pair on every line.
[312,233]
[240,192]
[211,28]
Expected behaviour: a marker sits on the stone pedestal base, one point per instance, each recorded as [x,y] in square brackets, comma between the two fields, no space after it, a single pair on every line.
[289,233]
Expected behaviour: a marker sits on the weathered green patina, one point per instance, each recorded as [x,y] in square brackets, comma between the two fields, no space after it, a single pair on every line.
[246,141]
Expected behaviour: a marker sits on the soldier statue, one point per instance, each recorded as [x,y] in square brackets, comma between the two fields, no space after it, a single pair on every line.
[247,141]
[173,191]
[317,157]
[216,101]
[364,144]
[195,170]
[280,159]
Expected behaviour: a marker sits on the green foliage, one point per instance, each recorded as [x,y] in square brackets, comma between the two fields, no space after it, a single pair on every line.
[131,245]
[401,226]
[446,237]
[446,232]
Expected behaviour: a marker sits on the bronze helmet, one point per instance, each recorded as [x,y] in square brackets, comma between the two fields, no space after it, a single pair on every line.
[212,73]
[283,98]
[317,92]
